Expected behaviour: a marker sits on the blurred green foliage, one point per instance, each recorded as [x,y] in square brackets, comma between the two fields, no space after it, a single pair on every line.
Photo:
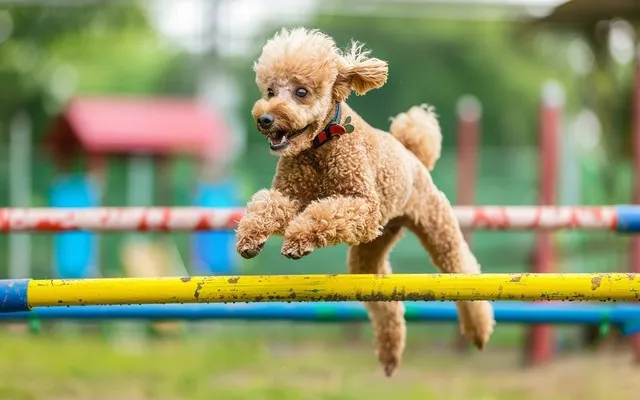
[54,52]
[436,62]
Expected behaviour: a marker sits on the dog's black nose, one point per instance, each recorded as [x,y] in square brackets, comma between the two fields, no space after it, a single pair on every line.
[265,120]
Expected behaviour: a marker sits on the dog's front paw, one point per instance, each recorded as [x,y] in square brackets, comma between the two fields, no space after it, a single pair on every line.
[249,246]
[296,248]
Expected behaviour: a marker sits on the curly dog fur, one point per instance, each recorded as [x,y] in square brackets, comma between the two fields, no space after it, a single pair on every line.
[360,188]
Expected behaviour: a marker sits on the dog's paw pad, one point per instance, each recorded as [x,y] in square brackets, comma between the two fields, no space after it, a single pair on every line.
[294,255]
[250,251]
[295,250]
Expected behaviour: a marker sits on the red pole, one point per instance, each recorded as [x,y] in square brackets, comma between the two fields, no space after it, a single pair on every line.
[468,113]
[540,344]
[635,240]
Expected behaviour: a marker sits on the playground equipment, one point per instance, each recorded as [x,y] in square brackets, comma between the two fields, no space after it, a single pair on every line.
[214,252]
[75,252]
[136,139]
[93,141]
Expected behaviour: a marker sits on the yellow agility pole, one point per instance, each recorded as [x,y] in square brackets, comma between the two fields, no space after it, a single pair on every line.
[299,288]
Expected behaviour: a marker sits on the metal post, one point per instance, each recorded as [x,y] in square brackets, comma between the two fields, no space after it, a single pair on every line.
[468,112]
[540,339]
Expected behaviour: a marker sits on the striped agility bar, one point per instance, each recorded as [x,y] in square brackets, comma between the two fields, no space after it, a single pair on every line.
[621,218]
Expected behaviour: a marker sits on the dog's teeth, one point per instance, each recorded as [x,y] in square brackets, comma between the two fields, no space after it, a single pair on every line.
[278,142]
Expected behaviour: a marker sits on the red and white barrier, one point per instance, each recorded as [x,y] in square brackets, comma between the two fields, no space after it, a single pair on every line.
[203,219]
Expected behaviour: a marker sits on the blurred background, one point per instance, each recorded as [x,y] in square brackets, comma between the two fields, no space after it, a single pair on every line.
[91,93]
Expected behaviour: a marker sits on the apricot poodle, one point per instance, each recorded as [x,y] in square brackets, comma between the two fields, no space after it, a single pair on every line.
[339,180]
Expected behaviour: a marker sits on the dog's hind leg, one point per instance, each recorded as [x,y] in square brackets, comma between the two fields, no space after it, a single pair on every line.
[431,219]
[387,318]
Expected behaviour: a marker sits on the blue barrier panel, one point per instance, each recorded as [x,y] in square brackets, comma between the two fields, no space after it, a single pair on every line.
[74,252]
[214,252]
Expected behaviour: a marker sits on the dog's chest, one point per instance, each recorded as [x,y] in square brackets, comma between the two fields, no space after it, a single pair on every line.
[317,179]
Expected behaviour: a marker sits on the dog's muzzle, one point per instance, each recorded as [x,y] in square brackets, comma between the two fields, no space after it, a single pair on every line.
[282,139]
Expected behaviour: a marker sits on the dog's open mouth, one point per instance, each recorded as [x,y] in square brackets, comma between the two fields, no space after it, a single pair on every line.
[282,139]
[279,142]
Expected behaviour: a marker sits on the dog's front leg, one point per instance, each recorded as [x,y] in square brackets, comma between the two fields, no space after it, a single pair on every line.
[331,221]
[350,212]
[268,213]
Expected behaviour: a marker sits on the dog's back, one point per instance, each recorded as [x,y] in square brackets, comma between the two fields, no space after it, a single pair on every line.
[419,131]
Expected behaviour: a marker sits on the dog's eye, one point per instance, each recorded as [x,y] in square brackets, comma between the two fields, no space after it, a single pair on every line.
[270,93]
[301,92]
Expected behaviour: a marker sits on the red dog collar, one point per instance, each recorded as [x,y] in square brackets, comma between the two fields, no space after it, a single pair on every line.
[334,128]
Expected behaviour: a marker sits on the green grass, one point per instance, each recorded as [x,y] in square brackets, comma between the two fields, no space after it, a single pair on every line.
[286,361]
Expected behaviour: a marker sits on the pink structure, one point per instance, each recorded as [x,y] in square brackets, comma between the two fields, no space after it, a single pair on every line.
[122,125]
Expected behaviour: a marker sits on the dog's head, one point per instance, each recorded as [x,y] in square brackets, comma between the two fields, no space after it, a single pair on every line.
[302,75]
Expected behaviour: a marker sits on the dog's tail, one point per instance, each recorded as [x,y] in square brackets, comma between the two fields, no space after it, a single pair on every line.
[419,131]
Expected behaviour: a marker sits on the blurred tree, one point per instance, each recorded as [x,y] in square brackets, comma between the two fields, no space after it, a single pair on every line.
[50,53]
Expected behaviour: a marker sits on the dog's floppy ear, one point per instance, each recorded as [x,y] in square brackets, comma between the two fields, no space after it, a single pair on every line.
[358,72]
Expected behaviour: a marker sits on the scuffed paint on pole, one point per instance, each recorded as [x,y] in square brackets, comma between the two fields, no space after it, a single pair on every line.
[21,295]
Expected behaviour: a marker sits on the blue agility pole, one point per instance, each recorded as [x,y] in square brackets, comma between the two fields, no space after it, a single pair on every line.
[625,316]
